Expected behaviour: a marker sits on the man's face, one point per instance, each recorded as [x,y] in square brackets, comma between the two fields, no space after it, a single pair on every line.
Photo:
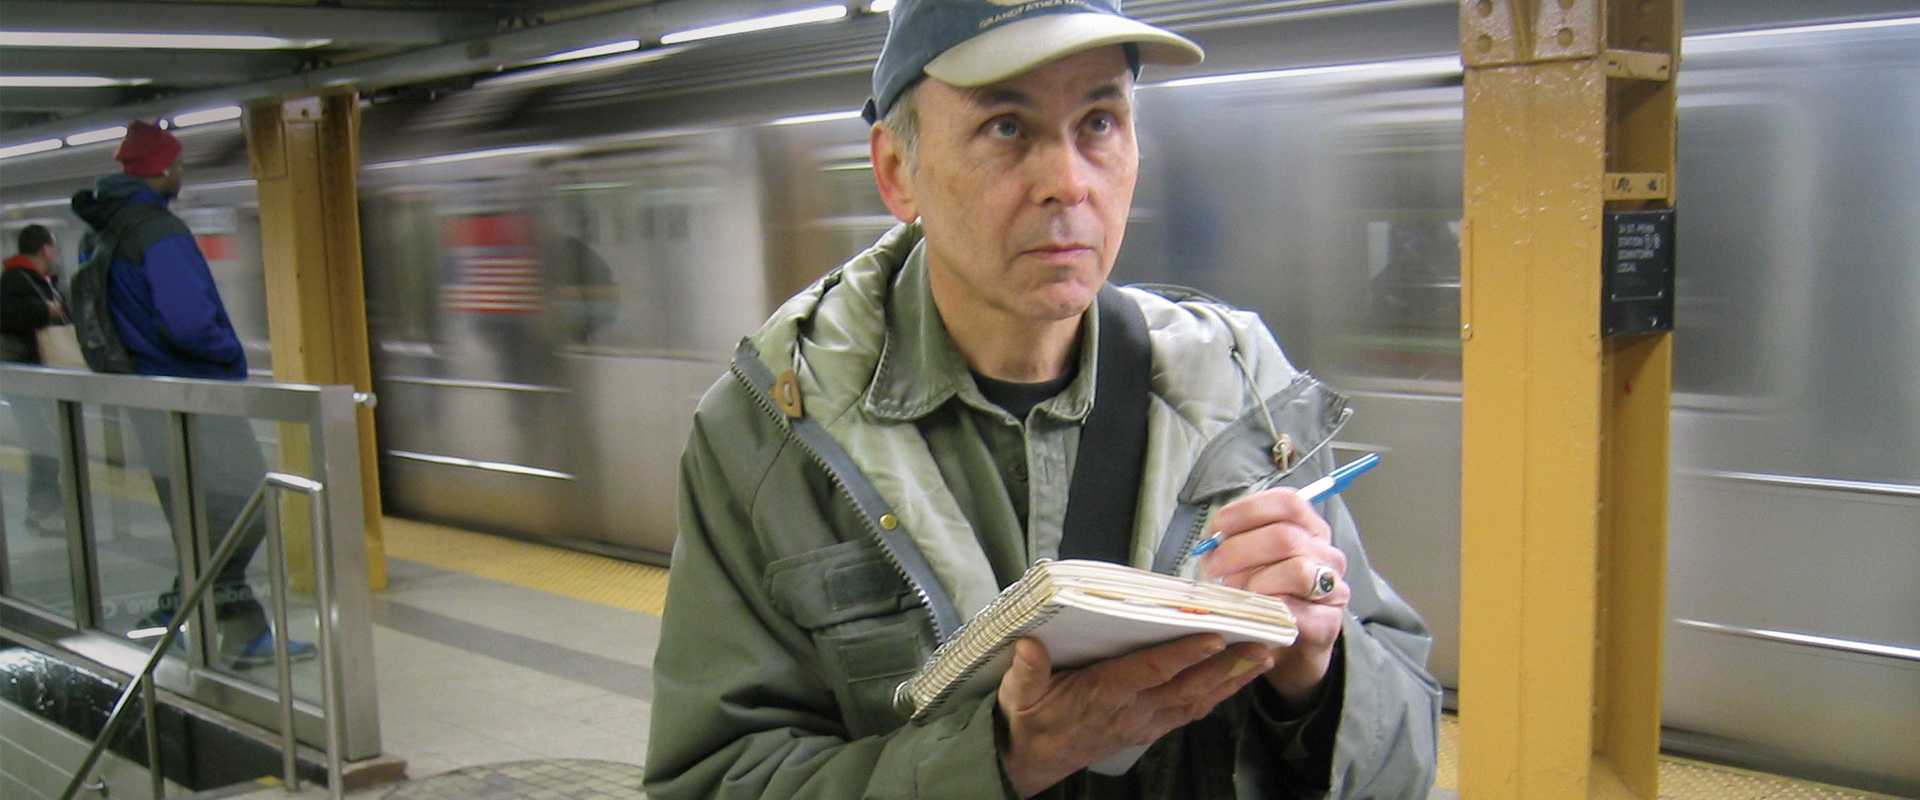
[1024,187]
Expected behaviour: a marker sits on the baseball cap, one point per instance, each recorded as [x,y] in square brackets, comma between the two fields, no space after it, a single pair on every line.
[978,42]
[146,151]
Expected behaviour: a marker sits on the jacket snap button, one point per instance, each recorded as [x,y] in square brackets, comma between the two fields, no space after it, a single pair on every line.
[889,521]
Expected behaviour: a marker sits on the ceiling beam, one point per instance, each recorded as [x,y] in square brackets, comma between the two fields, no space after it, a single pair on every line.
[180,68]
[342,25]
[476,56]
[60,101]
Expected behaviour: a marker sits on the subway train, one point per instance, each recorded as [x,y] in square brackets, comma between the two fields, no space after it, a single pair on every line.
[559,259]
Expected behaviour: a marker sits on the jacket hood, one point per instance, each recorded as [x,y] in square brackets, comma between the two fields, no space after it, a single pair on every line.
[20,261]
[98,205]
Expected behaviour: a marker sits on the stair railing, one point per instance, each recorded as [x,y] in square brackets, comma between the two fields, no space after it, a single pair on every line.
[142,683]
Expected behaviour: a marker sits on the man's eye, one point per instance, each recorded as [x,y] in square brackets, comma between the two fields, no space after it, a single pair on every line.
[1003,129]
[1100,124]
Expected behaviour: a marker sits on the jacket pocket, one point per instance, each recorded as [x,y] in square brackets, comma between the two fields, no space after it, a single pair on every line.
[869,629]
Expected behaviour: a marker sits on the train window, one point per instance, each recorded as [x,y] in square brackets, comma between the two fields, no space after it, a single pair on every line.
[400,240]
[1734,314]
[654,251]
[1337,218]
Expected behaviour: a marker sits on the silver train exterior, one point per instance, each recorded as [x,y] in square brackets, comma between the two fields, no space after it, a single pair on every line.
[559,261]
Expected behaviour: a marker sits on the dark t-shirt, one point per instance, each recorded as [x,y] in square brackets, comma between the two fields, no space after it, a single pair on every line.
[1020,398]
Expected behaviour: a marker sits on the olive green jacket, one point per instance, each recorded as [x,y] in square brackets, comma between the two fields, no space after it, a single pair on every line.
[842,513]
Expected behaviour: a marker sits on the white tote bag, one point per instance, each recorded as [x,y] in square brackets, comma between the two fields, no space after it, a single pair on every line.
[59,347]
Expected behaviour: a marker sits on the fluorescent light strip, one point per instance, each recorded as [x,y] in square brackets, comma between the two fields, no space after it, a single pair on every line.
[564,71]
[880,6]
[202,117]
[1437,66]
[68,81]
[829,116]
[155,41]
[802,17]
[28,148]
[475,155]
[587,52]
[1828,28]
[97,135]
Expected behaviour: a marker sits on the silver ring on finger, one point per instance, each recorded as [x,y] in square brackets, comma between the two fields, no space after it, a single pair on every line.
[1325,580]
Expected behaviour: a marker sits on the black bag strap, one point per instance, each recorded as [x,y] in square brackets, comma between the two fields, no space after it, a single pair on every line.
[1105,491]
[87,292]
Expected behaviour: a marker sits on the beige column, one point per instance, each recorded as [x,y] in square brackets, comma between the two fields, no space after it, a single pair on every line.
[1569,116]
[305,156]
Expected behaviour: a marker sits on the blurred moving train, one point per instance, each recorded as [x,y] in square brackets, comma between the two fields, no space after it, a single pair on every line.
[558,261]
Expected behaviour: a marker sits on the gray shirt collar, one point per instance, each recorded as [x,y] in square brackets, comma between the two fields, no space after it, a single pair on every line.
[920,368]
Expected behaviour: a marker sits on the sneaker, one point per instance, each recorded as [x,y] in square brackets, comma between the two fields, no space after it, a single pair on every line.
[259,652]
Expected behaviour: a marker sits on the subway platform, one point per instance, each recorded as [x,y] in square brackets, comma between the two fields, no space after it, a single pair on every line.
[516,670]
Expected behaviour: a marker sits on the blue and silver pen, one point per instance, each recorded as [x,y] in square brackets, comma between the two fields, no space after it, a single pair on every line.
[1326,486]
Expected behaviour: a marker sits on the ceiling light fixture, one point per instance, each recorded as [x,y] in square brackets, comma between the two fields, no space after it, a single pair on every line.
[804,16]
[204,116]
[154,41]
[97,135]
[585,52]
[26,148]
[67,81]
[825,116]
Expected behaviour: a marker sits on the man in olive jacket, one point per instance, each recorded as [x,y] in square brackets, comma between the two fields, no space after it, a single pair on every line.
[895,445]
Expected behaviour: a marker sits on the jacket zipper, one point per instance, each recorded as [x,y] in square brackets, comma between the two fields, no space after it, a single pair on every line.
[893,559]
[1194,534]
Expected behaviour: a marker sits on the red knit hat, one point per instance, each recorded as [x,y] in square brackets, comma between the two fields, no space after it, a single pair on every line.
[147,151]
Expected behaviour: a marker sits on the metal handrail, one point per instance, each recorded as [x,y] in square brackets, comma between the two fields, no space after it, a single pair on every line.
[190,605]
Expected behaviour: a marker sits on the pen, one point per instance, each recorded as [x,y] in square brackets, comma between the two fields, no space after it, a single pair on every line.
[1326,486]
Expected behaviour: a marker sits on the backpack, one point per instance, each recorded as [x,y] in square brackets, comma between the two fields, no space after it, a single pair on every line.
[87,293]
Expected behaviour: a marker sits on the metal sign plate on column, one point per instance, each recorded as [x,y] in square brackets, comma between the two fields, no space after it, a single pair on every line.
[1637,285]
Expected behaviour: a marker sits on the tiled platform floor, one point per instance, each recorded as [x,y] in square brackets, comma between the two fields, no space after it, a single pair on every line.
[474,671]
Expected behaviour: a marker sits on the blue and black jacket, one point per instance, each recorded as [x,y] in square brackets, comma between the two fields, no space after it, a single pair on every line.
[164,303]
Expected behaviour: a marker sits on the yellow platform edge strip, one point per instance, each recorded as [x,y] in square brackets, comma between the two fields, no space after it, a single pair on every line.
[582,576]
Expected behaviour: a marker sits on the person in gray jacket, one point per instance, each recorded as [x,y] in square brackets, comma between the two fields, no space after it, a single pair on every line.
[898,442]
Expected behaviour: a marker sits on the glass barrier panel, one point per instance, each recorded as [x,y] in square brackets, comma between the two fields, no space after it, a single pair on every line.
[231,455]
[38,559]
[127,456]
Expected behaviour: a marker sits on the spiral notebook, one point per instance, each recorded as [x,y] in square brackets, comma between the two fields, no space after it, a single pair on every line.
[1087,611]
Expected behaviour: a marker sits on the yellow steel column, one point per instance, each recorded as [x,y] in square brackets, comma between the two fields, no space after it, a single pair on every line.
[305,157]
[1569,115]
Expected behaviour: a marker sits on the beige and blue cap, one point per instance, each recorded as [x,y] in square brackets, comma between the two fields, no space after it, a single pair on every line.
[978,42]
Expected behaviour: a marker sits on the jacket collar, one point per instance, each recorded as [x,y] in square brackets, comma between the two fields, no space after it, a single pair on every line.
[920,367]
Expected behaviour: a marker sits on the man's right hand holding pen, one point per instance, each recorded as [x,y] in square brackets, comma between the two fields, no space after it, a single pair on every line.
[1273,542]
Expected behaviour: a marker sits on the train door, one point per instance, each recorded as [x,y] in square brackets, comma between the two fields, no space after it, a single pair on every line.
[658,249]
[473,413]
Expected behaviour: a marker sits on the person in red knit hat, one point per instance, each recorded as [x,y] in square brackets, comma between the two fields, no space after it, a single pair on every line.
[168,313]
[149,152]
